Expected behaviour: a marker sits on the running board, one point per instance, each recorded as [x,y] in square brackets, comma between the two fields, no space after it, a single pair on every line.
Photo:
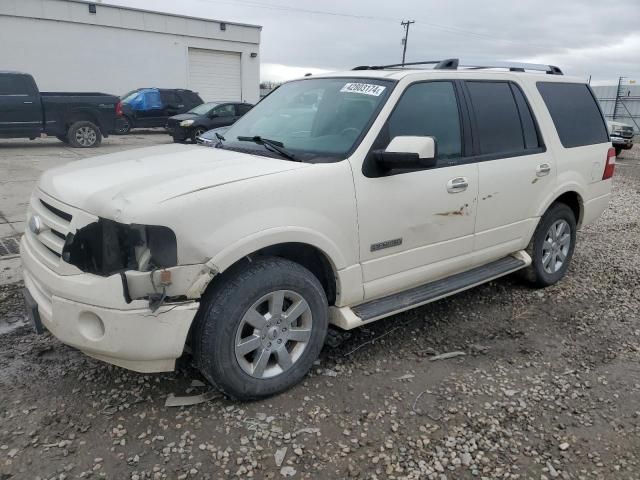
[430,292]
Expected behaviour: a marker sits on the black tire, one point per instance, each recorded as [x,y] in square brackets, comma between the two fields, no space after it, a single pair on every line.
[84,134]
[536,273]
[221,315]
[618,151]
[123,126]
[63,138]
[196,133]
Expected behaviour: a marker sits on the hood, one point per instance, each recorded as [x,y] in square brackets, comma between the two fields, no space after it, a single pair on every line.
[184,116]
[110,185]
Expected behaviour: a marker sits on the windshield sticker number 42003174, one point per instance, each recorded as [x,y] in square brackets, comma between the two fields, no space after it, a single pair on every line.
[364,88]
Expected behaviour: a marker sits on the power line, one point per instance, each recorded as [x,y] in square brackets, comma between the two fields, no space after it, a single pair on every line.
[444,28]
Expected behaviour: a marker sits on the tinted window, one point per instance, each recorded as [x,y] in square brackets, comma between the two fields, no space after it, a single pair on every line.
[16,85]
[169,97]
[243,108]
[575,113]
[429,109]
[225,111]
[496,116]
[526,119]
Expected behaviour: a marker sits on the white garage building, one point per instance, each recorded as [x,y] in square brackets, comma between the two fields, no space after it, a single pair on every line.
[76,45]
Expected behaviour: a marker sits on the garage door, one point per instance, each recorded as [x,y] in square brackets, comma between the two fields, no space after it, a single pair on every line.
[215,75]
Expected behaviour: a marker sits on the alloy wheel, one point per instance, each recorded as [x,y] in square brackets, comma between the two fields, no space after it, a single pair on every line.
[273,333]
[555,248]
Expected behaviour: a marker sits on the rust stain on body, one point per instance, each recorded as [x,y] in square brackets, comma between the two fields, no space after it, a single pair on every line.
[458,213]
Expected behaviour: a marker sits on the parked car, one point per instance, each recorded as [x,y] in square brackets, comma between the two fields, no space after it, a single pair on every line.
[621,136]
[205,117]
[79,119]
[151,107]
[212,137]
[395,188]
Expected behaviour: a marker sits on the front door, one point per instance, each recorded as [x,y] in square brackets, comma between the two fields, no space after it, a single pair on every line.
[417,225]
[20,108]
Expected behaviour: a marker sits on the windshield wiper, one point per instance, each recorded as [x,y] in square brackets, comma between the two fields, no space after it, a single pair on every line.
[272,145]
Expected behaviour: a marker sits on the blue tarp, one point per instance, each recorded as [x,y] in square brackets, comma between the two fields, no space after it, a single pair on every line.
[147,99]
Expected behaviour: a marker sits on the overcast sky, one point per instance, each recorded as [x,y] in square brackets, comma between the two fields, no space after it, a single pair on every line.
[583,37]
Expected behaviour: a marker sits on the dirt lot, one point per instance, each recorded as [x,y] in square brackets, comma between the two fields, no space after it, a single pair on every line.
[549,387]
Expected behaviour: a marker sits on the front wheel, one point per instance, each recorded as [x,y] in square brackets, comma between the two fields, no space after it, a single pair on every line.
[552,246]
[260,329]
[123,126]
[198,131]
[84,134]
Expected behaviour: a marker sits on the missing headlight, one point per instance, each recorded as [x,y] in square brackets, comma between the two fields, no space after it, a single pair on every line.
[107,247]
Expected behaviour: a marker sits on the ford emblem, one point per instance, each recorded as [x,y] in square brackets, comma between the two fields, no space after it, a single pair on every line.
[35,224]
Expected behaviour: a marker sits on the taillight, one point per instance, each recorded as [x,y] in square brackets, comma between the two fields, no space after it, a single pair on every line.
[610,166]
[119,109]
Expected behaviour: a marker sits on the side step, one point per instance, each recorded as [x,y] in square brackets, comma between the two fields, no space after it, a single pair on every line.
[429,292]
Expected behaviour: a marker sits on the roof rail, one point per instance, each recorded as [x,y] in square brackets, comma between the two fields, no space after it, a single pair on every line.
[454,63]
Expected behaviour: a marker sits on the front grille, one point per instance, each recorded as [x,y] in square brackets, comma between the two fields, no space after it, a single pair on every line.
[54,228]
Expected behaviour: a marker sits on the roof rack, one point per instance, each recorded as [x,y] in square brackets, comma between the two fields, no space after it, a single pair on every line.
[454,63]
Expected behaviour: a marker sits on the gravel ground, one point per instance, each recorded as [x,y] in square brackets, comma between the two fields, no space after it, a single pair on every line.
[549,387]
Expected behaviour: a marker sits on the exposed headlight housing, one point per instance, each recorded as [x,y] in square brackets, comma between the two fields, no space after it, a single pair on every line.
[107,247]
[186,123]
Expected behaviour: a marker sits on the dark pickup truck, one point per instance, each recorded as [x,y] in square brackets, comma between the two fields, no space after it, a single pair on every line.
[79,119]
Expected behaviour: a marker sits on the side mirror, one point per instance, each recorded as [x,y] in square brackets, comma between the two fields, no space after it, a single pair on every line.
[213,115]
[408,152]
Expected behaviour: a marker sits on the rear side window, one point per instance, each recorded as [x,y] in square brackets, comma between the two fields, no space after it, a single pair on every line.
[575,113]
[243,108]
[497,118]
[529,131]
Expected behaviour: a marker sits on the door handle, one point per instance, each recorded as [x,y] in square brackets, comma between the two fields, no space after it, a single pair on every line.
[457,185]
[27,103]
[543,169]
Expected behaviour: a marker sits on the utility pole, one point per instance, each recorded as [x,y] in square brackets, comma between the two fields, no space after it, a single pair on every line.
[406,36]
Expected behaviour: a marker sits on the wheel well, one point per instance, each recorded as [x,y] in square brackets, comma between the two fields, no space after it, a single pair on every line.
[311,258]
[81,117]
[574,202]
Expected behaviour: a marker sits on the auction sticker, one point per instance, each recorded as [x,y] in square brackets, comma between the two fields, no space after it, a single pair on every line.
[364,88]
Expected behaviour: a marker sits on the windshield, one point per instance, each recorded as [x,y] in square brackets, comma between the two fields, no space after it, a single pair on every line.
[203,109]
[130,96]
[322,117]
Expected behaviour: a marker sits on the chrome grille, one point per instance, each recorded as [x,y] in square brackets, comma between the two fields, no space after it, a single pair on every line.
[47,228]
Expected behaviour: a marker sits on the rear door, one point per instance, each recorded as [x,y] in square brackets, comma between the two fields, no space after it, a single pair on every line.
[20,107]
[517,172]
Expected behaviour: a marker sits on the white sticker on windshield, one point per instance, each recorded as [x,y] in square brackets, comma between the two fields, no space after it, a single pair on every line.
[364,88]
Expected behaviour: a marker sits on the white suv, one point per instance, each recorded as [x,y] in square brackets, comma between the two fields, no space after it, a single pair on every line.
[341,198]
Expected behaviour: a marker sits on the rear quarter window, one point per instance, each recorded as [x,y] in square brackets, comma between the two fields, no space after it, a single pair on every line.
[575,113]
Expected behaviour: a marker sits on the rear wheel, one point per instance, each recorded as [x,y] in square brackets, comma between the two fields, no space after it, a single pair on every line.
[84,134]
[552,246]
[261,328]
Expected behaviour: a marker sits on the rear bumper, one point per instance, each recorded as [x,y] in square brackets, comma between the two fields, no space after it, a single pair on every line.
[594,208]
[127,335]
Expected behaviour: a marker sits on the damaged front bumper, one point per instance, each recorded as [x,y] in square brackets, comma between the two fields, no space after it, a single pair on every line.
[93,313]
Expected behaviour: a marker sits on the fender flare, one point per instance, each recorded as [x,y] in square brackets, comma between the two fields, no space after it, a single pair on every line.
[274,236]
[567,187]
